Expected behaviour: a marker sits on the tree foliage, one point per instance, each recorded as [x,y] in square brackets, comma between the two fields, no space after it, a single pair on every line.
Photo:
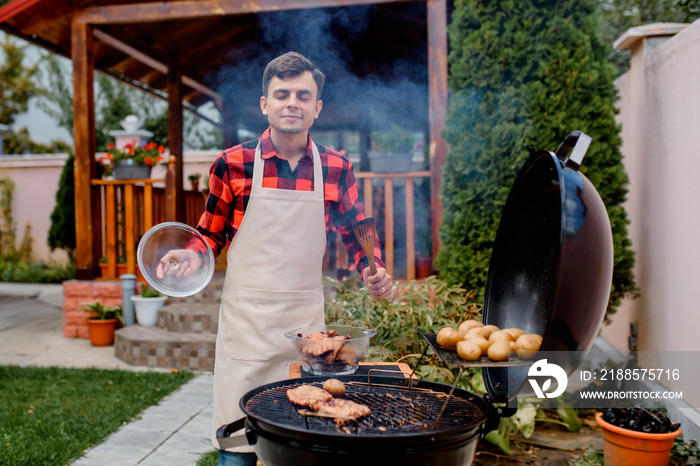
[523,74]
[62,229]
[114,101]
[17,87]
[17,84]
[617,16]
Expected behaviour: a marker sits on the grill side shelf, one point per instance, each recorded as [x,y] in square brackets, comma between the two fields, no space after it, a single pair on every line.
[452,361]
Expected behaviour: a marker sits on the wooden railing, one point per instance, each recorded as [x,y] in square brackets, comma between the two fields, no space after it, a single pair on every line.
[131,207]
[380,197]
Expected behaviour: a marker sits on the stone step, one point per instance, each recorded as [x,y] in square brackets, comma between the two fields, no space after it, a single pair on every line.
[183,317]
[157,347]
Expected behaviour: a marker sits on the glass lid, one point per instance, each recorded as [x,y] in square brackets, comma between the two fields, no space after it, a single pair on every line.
[175,259]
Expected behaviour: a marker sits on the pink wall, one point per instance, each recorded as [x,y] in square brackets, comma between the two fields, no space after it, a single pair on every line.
[660,117]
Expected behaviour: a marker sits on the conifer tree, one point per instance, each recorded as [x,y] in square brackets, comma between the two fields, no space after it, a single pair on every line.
[62,230]
[523,74]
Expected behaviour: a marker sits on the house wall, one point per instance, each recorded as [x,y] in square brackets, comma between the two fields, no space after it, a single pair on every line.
[36,180]
[34,197]
[660,117]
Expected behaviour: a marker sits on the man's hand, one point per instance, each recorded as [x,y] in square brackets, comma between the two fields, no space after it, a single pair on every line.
[179,263]
[379,284]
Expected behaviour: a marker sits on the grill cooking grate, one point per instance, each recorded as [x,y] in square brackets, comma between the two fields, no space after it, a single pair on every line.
[393,410]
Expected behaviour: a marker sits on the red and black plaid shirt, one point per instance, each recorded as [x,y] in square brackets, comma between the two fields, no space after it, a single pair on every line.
[231,180]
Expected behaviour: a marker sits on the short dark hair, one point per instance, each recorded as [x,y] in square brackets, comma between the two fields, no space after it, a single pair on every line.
[289,65]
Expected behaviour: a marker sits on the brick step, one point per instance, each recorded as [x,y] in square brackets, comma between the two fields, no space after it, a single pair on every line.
[157,347]
[183,317]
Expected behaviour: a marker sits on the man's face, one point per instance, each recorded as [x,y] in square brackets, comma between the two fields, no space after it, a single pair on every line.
[290,105]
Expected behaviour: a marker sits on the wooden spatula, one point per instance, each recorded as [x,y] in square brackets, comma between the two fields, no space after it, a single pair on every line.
[365,232]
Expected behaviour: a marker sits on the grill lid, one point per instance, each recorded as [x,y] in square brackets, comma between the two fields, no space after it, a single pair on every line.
[552,261]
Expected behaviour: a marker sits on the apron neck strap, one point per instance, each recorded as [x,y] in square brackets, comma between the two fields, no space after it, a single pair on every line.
[259,165]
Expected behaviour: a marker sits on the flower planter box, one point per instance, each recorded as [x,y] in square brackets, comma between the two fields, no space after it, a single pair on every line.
[130,170]
[381,162]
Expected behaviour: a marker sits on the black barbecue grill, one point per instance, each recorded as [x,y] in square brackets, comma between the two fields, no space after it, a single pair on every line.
[412,422]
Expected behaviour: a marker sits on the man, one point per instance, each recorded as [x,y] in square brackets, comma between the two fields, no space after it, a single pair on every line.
[275,199]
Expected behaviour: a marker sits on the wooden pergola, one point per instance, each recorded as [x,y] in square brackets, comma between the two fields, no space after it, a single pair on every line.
[193,52]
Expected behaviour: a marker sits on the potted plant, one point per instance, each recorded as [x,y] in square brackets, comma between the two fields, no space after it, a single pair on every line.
[205,187]
[391,152]
[194,180]
[650,446]
[132,162]
[102,323]
[147,304]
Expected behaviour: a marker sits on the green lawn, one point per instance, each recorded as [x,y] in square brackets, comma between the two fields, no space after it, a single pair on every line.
[50,416]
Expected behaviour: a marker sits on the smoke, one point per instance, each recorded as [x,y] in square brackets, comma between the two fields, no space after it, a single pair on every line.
[369,73]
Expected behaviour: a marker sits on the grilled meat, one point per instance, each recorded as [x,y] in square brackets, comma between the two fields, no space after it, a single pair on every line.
[319,346]
[305,395]
[327,348]
[340,407]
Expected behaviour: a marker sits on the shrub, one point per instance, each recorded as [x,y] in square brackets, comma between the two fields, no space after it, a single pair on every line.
[62,230]
[523,74]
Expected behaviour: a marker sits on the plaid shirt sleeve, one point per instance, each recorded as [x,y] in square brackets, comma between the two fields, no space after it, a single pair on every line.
[229,176]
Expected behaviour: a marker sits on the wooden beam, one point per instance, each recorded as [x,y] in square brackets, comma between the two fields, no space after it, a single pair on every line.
[10,10]
[169,11]
[174,207]
[156,65]
[437,102]
[84,137]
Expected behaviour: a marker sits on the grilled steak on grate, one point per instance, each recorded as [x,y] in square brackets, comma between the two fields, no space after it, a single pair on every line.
[340,407]
[305,395]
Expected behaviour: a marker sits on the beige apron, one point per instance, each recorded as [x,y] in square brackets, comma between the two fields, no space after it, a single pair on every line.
[273,285]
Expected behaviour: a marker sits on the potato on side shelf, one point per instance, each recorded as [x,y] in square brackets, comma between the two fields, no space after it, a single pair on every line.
[498,351]
[448,338]
[501,335]
[467,325]
[468,350]
[482,342]
[514,332]
[478,331]
[527,345]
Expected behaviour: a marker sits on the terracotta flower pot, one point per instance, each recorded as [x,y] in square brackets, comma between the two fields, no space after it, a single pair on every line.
[624,447]
[101,332]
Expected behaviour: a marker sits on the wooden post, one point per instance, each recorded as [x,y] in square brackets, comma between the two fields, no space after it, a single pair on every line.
[389,224]
[129,235]
[86,210]
[111,230]
[170,187]
[368,198]
[437,97]
[410,231]
[147,206]
[176,200]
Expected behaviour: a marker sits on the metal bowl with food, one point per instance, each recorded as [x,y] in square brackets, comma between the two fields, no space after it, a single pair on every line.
[330,349]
